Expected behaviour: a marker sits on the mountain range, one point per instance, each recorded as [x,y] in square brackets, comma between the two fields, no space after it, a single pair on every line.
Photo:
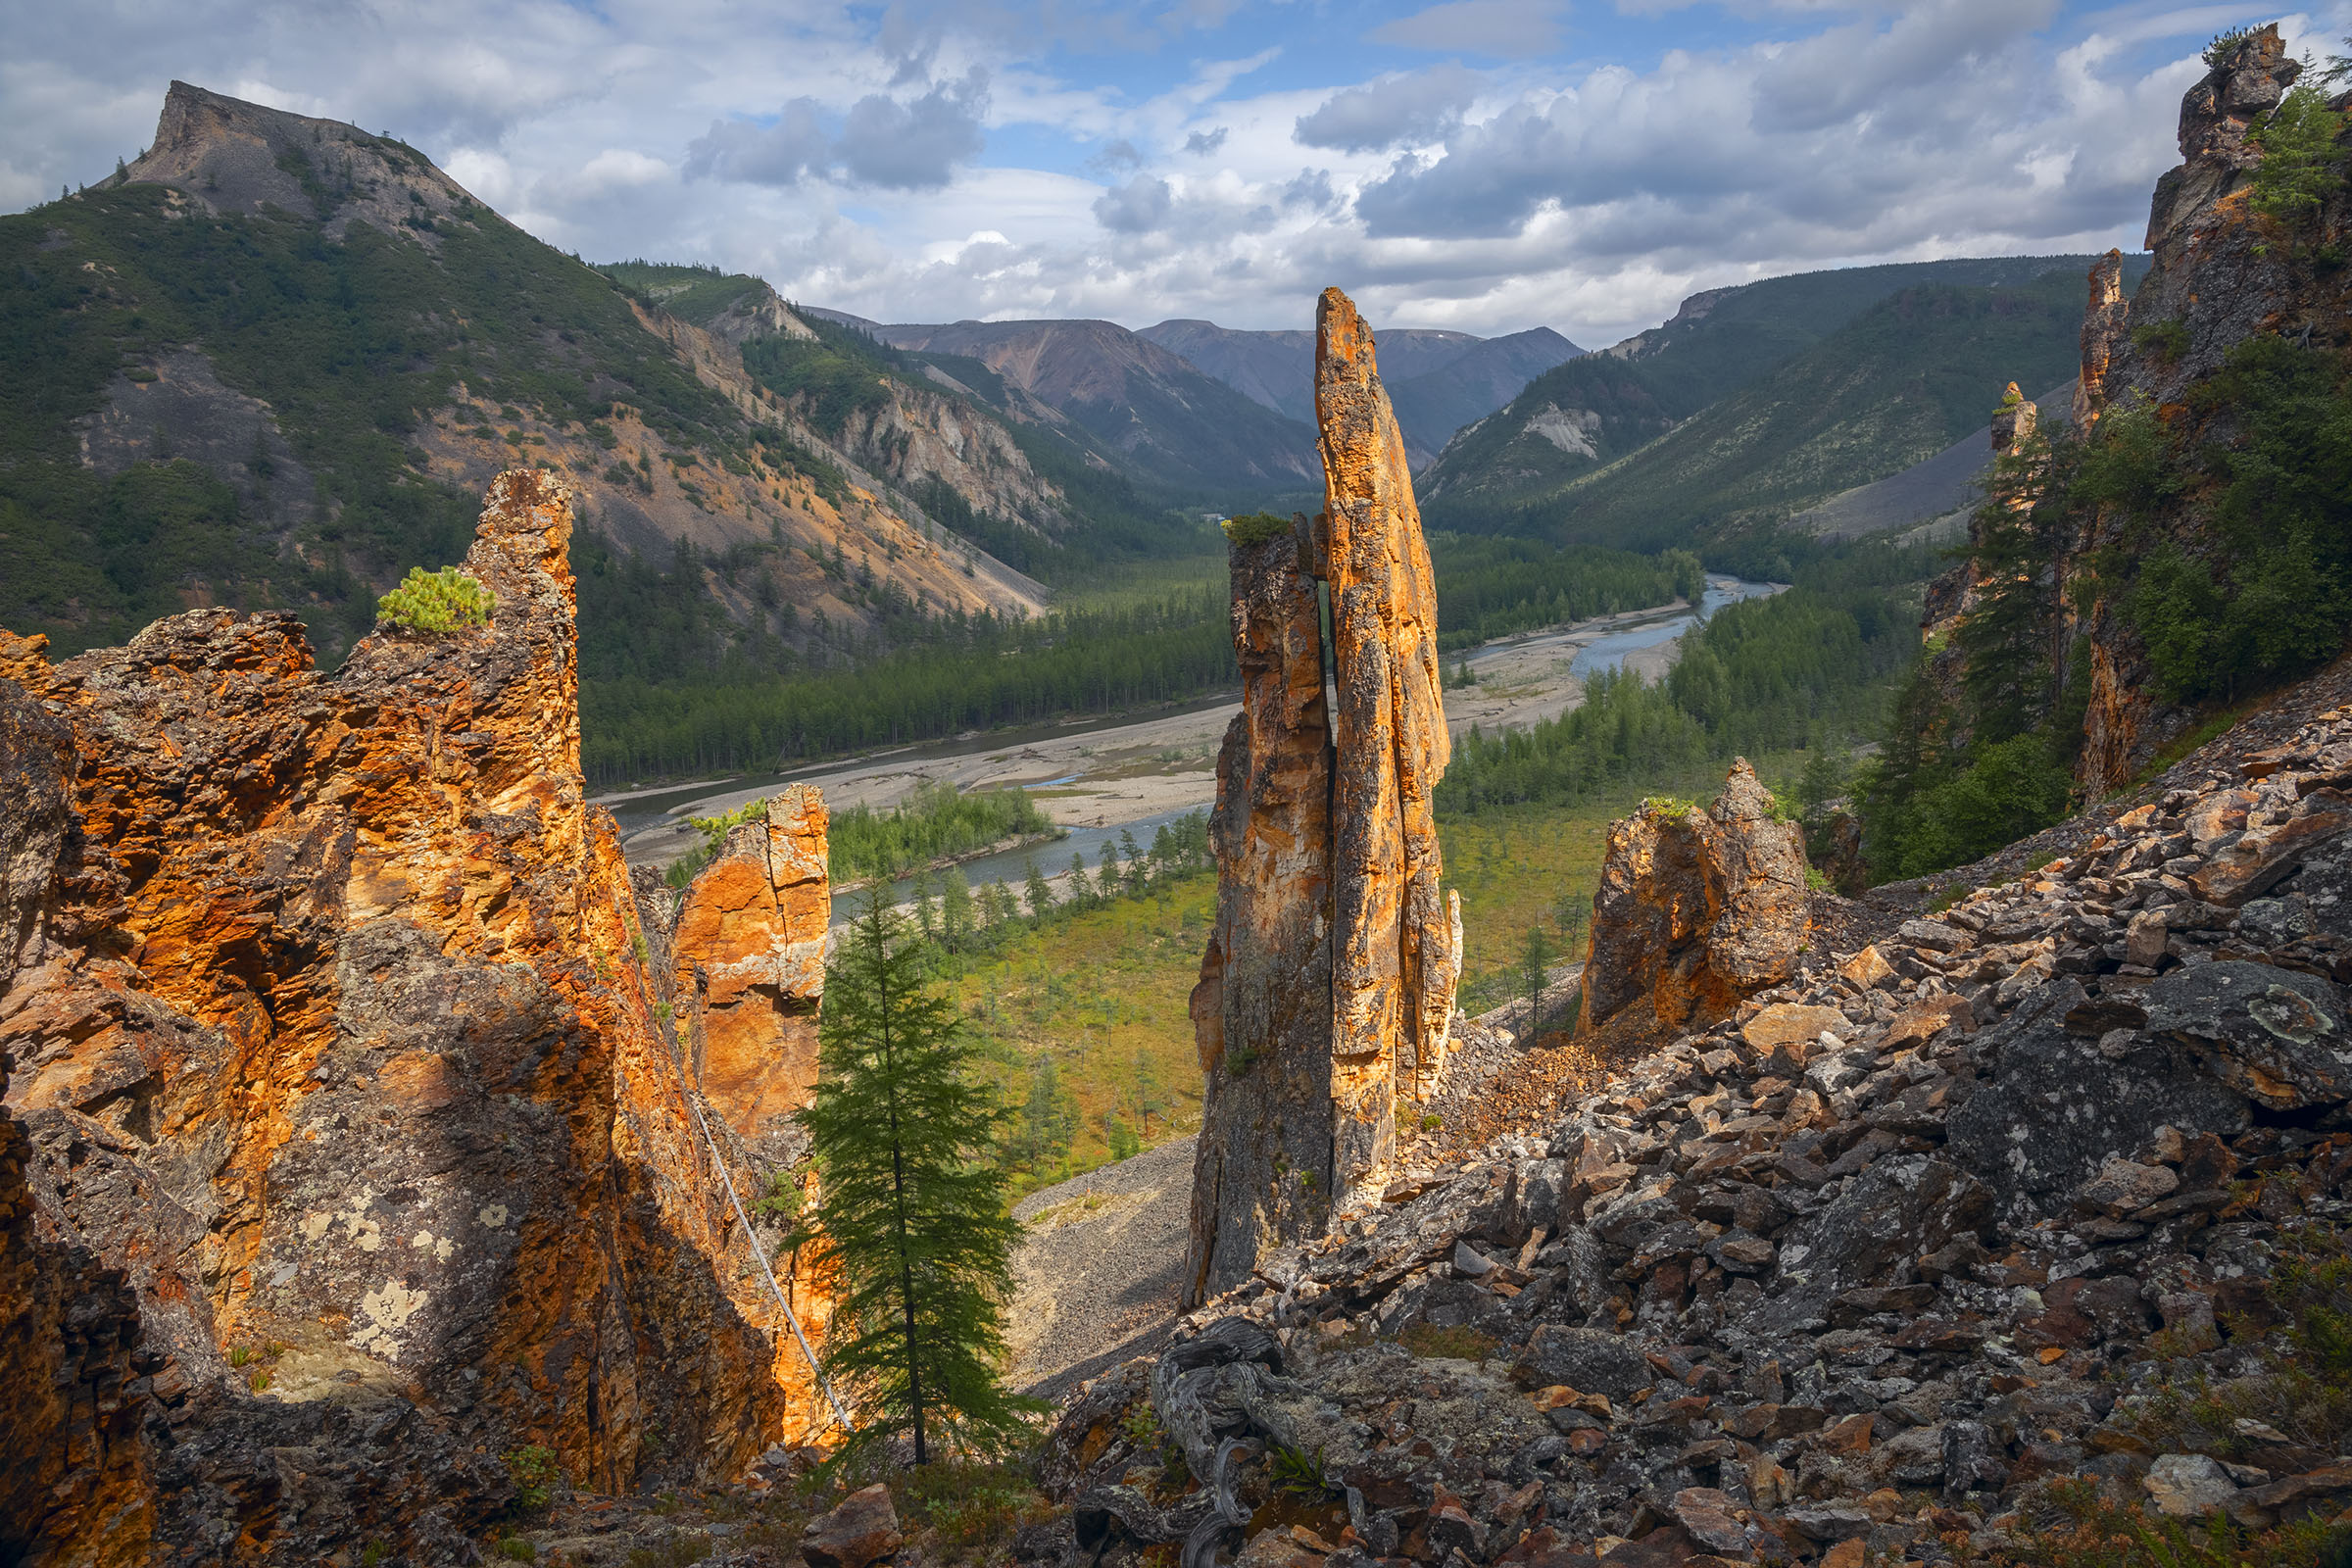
[272,362]
[1754,404]
[1438,382]
[1169,423]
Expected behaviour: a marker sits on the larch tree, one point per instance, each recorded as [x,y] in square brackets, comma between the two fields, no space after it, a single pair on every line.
[911,1200]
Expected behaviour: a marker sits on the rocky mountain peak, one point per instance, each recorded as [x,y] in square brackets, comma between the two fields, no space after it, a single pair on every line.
[240,157]
[2243,82]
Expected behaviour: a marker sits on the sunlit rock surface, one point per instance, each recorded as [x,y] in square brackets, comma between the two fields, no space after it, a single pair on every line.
[1326,990]
[337,1031]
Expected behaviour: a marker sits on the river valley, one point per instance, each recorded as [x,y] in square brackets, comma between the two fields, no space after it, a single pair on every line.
[1097,779]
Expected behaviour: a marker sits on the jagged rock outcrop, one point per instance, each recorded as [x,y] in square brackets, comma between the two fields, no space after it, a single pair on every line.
[1393,953]
[2106,330]
[2223,274]
[1336,954]
[334,1035]
[1261,1012]
[1862,1272]
[2215,281]
[1697,908]
[73,1487]
[748,951]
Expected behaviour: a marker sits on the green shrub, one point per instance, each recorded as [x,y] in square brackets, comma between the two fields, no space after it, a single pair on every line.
[518,1548]
[443,601]
[533,1471]
[2082,1529]
[2163,340]
[2300,164]
[974,1507]
[2224,45]
[1296,1472]
[1255,529]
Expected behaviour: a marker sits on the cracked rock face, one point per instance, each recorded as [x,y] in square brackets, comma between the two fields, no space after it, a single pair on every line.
[1261,1012]
[1696,910]
[1327,989]
[339,1031]
[749,941]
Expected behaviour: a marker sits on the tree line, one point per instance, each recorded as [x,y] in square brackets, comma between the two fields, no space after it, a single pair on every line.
[1816,661]
[671,686]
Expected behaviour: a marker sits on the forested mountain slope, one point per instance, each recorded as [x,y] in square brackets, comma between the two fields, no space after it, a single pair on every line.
[273,361]
[1902,382]
[2187,547]
[1170,425]
[1508,472]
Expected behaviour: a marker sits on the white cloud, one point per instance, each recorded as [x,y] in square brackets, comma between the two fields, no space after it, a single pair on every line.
[1394,111]
[915,144]
[929,161]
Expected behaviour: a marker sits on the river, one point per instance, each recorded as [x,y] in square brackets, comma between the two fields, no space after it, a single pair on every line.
[1520,683]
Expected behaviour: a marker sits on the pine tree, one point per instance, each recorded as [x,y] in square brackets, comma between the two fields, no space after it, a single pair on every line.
[911,1208]
[1534,958]
[1081,893]
[1038,891]
[926,906]
[1139,876]
[955,912]
[1150,1098]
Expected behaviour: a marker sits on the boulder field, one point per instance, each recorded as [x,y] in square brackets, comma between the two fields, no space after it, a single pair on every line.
[1867,1267]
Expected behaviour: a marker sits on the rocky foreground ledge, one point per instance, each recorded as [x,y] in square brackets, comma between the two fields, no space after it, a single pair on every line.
[1885,1263]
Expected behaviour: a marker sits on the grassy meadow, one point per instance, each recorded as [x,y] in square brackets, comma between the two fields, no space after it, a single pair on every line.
[1102,994]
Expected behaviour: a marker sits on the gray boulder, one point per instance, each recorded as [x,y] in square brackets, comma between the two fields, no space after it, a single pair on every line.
[1588,1360]
[2058,1107]
[1886,1219]
[2277,1036]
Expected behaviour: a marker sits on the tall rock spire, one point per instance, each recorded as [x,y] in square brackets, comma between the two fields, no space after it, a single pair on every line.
[1327,987]
[1393,961]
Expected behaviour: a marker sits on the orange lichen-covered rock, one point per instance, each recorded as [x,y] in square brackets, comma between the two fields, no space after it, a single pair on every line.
[1698,908]
[1394,965]
[1261,1014]
[332,1035]
[749,947]
[2106,328]
[1327,989]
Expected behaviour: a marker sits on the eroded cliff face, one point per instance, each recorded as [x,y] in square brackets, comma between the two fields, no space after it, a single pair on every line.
[2217,276]
[748,948]
[1394,963]
[1698,908]
[1327,989]
[1261,1014]
[337,1033]
[2222,275]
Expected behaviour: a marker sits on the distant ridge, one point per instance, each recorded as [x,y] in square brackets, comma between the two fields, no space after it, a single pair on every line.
[1438,380]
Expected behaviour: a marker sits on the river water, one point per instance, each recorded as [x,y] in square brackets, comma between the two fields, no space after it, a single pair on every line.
[1605,651]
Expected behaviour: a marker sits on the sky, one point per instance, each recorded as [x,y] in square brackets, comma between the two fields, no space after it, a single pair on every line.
[1482,165]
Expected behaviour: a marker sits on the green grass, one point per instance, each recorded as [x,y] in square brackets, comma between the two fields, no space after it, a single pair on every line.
[1103,994]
